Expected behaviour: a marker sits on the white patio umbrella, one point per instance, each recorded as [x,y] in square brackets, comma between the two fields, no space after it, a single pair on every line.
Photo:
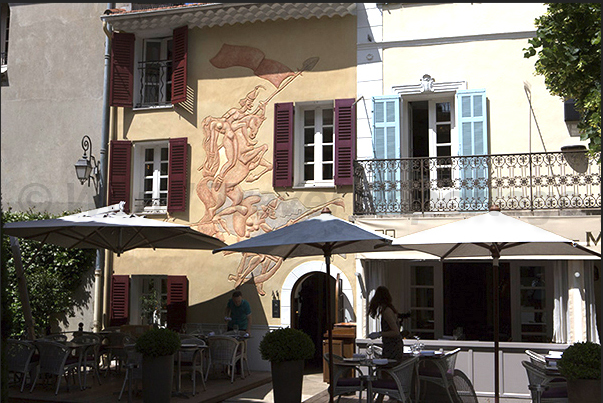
[321,235]
[112,229]
[494,235]
[107,228]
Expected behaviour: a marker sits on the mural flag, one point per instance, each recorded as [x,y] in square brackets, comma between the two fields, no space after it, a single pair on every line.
[254,59]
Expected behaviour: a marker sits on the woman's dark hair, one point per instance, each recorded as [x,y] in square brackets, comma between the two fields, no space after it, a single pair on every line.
[381,300]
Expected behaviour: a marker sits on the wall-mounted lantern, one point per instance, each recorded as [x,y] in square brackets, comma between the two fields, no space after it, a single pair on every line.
[86,168]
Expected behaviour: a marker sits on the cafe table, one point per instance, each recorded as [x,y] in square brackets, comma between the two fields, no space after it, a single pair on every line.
[372,364]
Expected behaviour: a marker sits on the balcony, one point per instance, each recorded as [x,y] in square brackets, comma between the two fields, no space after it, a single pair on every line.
[155,84]
[536,181]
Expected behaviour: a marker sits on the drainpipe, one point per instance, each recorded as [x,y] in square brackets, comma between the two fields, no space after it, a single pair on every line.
[102,200]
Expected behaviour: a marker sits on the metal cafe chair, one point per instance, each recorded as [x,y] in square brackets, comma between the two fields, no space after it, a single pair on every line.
[133,364]
[536,358]
[439,371]
[345,384]
[464,387]
[192,361]
[90,355]
[399,382]
[19,355]
[544,387]
[55,359]
[225,351]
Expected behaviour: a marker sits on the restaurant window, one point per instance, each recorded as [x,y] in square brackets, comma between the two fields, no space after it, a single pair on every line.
[132,300]
[423,301]
[535,312]
[468,301]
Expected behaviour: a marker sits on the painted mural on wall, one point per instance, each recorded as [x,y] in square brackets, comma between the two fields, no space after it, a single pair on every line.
[234,159]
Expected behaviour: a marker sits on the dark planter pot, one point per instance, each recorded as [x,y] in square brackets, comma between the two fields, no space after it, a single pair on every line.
[584,391]
[157,376]
[287,379]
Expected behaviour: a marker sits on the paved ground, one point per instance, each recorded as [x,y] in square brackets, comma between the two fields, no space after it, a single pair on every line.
[312,385]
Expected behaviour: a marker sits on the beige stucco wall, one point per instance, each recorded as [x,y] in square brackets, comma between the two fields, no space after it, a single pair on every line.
[494,61]
[214,91]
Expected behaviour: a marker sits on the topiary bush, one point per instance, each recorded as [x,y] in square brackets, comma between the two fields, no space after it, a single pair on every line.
[158,342]
[581,360]
[286,344]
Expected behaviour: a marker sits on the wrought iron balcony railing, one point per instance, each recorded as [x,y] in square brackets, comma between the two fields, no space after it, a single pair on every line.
[155,83]
[536,181]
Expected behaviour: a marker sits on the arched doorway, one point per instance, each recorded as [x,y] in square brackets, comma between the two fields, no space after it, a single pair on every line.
[309,311]
[309,277]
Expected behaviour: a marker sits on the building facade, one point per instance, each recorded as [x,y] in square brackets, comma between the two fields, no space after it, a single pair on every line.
[453,119]
[235,120]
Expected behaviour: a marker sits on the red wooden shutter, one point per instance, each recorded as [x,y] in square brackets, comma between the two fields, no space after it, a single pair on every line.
[345,141]
[178,167]
[180,57]
[177,302]
[122,70]
[120,158]
[120,300]
[283,145]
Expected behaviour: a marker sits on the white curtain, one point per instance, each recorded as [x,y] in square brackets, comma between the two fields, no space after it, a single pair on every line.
[589,295]
[375,276]
[560,293]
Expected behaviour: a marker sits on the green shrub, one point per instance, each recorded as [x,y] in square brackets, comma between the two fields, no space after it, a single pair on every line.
[286,344]
[158,342]
[581,360]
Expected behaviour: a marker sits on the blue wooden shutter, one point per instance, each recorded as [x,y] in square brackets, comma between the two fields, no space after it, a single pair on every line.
[386,127]
[345,141]
[177,181]
[282,175]
[122,70]
[386,145]
[179,62]
[472,124]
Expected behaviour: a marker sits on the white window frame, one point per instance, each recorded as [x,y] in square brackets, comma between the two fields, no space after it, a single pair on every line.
[140,56]
[139,177]
[298,147]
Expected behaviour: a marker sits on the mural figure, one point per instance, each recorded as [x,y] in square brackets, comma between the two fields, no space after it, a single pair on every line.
[234,156]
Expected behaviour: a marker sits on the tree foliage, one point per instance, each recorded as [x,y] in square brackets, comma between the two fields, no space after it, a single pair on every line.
[568,46]
[55,277]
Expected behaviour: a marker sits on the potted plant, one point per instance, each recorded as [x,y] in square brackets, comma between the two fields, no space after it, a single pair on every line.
[286,349]
[580,364]
[157,347]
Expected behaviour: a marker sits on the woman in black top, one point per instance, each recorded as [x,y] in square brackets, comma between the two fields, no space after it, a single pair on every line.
[381,304]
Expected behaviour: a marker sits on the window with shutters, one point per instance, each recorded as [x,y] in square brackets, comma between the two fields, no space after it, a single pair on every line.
[149,72]
[315,145]
[437,136]
[160,176]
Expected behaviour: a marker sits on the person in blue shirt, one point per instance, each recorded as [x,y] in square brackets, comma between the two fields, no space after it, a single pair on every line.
[238,312]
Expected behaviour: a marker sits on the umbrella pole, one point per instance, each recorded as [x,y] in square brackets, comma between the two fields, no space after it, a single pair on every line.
[329,327]
[496,327]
